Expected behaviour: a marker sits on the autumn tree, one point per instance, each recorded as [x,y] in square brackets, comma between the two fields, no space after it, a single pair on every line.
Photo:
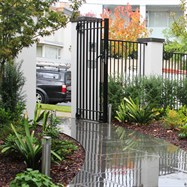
[176,34]
[124,24]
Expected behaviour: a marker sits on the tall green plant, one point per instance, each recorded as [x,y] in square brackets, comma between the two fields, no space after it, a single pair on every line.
[11,89]
[27,146]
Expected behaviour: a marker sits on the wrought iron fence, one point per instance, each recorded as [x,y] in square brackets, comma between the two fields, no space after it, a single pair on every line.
[174,71]
[174,66]
[126,59]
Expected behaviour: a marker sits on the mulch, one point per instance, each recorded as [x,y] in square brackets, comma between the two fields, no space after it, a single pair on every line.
[62,173]
[157,130]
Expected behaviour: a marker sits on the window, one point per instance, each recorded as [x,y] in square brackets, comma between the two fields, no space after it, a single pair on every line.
[52,52]
[39,51]
[159,19]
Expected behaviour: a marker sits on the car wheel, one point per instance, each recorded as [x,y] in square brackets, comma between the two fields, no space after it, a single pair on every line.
[40,97]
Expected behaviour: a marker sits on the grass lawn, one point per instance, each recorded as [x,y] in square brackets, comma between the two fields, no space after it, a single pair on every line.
[56,108]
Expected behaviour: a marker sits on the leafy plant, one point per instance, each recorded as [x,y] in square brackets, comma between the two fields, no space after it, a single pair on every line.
[32,178]
[4,117]
[169,93]
[137,113]
[47,120]
[152,86]
[115,93]
[173,119]
[12,97]
[182,92]
[121,114]
[63,148]
[133,88]
[27,146]
[183,131]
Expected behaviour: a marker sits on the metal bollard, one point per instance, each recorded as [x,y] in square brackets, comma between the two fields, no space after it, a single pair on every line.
[109,113]
[46,155]
[109,120]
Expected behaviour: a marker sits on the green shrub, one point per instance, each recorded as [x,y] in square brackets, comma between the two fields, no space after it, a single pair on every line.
[121,113]
[183,131]
[63,148]
[26,145]
[153,90]
[173,119]
[11,88]
[4,117]
[161,93]
[32,178]
[132,111]
[139,114]
[115,93]
[182,92]
[134,88]
[169,93]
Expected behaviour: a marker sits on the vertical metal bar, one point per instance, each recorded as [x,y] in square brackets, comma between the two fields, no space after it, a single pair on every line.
[83,71]
[105,90]
[96,65]
[122,60]
[137,47]
[90,65]
[110,53]
[78,73]
[46,155]
[86,76]
[80,65]
[100,73]
[144,59]
[93,71]
[118,43]
[140,59]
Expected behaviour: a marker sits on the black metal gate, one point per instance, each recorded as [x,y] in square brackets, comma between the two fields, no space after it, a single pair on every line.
[92,69]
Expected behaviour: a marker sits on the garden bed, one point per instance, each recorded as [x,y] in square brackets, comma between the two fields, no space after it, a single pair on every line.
[62,173]
[157,130]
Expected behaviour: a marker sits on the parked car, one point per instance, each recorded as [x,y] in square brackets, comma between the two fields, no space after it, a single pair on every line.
[53,84]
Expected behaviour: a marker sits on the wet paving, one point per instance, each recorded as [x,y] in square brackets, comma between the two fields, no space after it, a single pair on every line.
[116,157]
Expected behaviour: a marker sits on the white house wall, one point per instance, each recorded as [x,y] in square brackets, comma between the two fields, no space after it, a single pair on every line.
[61,38]
[28,56]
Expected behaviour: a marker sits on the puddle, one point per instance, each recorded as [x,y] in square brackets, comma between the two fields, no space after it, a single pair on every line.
[116,157]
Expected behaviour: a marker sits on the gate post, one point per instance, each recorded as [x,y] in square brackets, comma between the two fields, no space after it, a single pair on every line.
[73,69]
[153,55]
[105,86]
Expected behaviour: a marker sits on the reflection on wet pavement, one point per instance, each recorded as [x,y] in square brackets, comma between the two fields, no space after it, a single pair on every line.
[116,157]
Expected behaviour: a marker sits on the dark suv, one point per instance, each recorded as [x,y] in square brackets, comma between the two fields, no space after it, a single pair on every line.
[53,84]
